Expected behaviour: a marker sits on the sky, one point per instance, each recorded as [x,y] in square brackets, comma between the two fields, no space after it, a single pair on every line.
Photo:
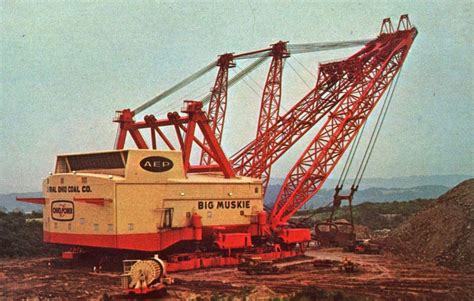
[66,67]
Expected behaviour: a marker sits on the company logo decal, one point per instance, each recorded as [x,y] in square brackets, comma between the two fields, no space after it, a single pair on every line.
[62,210]
[156,164]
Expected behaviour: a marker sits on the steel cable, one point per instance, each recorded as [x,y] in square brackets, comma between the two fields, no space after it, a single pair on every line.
[175,88]
[313,47]
[375,133]
[238,77]
[294,48]
[304,67]
[350,158]
[359,138]
[302,79]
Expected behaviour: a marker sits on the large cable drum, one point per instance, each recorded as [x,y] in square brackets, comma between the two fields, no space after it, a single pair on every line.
[144,272]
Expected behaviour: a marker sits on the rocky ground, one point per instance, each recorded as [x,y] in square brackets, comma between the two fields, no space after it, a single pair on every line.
[381,277]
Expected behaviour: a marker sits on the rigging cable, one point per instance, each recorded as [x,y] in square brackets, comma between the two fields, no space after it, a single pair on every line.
[375,134]
[313,47]
[371,144]
[175,88]
[304,67]
[350,158]
[262,55]
[299,75]
[238,77]
[252,79]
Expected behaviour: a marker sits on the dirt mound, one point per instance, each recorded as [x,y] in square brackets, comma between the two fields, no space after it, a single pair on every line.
[442,233]
[262,292]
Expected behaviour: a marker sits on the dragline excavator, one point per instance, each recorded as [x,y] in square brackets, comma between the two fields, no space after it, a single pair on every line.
[155,199]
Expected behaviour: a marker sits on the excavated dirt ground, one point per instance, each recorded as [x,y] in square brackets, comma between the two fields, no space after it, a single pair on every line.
[382,277]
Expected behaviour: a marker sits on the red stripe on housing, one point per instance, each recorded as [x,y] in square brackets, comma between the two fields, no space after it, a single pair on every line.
[143,241]
[95,201]
[139,242]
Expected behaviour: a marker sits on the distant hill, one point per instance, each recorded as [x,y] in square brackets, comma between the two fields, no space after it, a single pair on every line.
[397,182]
[380,189]
[8,202]
[324,196]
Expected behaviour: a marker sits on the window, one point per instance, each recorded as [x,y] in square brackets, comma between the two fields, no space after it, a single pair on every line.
[84,180]
[168,218]
[82,221]
[188,214]
[209,214]
[110,228]
[110,160]
[96,227]
[256,189]
[69,226]
[62,180]
[242,212]
[130,227]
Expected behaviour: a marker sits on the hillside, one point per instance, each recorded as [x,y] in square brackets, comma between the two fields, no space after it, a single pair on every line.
[375,216]
[441,233]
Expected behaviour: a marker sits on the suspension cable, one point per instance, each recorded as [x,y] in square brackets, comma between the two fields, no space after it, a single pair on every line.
[350,158]
[296,72]
[176,87]
[250,87]
[348,163]
[375,133]
[238,77]
[261,54]
[251,78]
[194,91]
[354,147]
[304,67]
[313,47]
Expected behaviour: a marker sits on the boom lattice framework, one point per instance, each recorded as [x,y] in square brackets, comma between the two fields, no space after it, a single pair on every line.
[371,70]
[346,90]
[269,109]
[218,103]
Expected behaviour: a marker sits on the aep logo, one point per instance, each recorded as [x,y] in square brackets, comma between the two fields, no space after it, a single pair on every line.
[62,210]
[156,164]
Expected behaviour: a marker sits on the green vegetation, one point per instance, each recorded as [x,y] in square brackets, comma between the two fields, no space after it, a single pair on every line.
[20,236]
[373,215]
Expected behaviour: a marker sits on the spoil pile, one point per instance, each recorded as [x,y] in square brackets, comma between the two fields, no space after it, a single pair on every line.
[442,233]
